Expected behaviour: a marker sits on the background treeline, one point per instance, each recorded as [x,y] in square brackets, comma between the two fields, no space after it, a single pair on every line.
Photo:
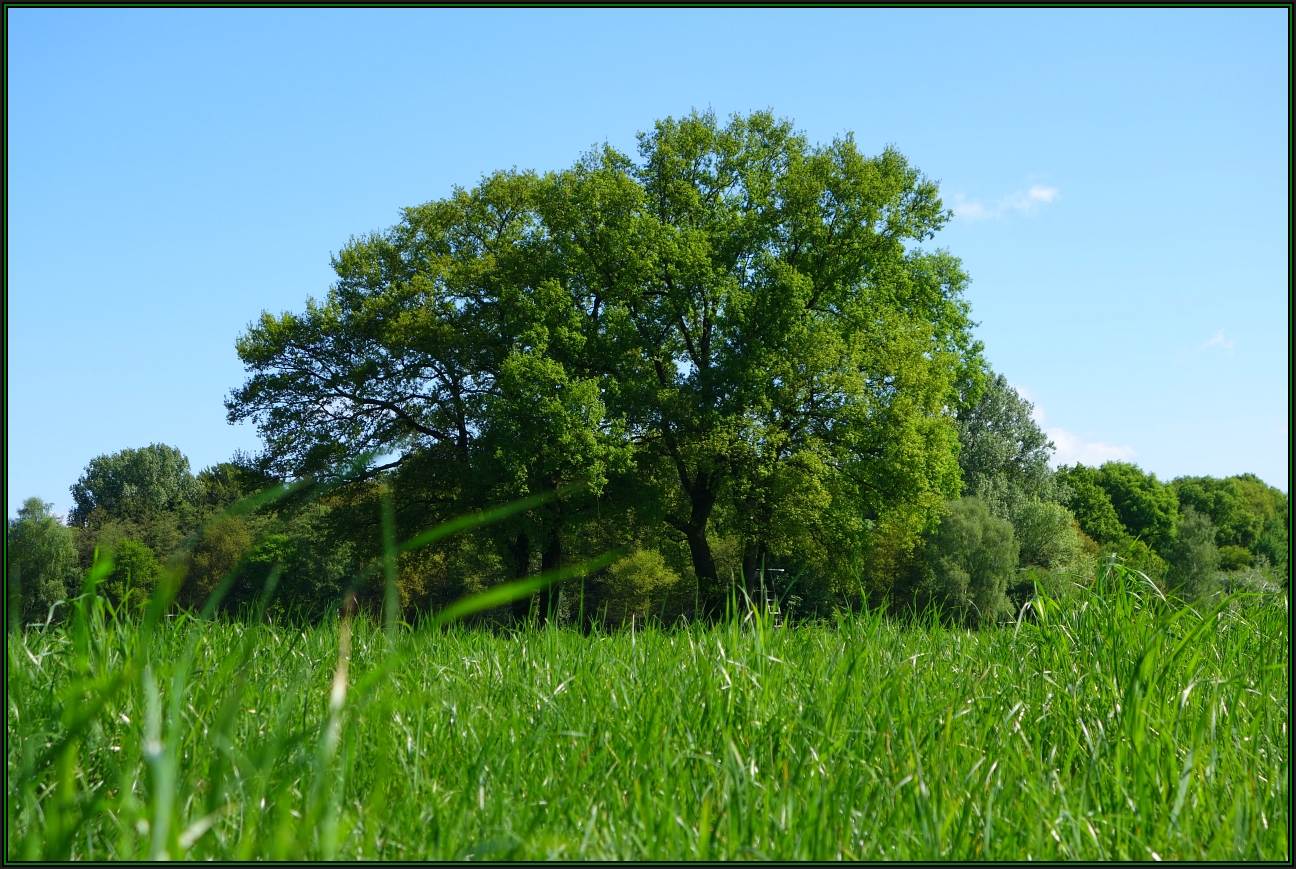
[731,354]
[1018,523]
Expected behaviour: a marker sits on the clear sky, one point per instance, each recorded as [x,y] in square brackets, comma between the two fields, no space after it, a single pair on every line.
[1120,180]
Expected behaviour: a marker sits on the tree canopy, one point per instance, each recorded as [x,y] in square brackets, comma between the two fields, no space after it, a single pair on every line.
[40,561]
[735,332]
[723,354]
[1005,455]
[134,484]
[1147,507]
[1239,507]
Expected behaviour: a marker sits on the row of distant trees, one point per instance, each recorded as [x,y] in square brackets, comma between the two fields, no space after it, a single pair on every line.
[733,357]
[1018,525]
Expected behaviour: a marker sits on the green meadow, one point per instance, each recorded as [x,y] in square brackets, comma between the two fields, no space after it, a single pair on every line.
[1112,724]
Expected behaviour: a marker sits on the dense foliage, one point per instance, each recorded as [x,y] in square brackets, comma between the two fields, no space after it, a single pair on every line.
[729,356]
[40,562]
[732,337]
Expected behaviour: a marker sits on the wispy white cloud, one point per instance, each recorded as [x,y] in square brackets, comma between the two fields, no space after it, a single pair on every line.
[1218,341]
[1022,201]
[1042,194]
[1072,448]
[972,210]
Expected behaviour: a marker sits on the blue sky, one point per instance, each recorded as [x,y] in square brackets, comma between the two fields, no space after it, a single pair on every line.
[1120,180]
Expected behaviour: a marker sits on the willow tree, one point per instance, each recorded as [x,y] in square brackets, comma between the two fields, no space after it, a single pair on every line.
[739,323]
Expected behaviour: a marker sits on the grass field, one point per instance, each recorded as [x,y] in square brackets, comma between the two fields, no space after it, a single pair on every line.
[1108,726]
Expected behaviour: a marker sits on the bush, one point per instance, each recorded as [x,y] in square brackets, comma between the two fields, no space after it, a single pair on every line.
[1193,557]
[40,561]
[966,565]
[1137,555]
[134,574]
[221,547]
[637,586]
[1234,557]
[1065,584]
[1046,535]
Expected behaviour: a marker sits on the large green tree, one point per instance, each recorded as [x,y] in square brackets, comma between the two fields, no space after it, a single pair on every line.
[147,495]
[1088,500]
[1147,507]
[738,323]
[40,561]
[778,346]
[1004,454]
[1120,500]
[1004,458]
[134,484]
[447,346]
[1239,506]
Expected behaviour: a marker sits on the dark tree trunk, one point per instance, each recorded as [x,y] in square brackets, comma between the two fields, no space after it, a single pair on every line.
[710,594]
[710,589]
[751,568]
[700,550]
[550,559]
[701,494]
[520,555]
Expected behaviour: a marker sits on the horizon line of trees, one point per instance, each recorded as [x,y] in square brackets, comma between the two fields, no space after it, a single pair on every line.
[733,356]
[1019,523]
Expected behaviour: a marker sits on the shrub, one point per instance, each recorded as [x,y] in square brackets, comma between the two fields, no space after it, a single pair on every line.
[134,574]
[1234,557]
[1137,555]
[1193,556]
[1046,535]
[637,585]
[1257,579]
[966,564]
